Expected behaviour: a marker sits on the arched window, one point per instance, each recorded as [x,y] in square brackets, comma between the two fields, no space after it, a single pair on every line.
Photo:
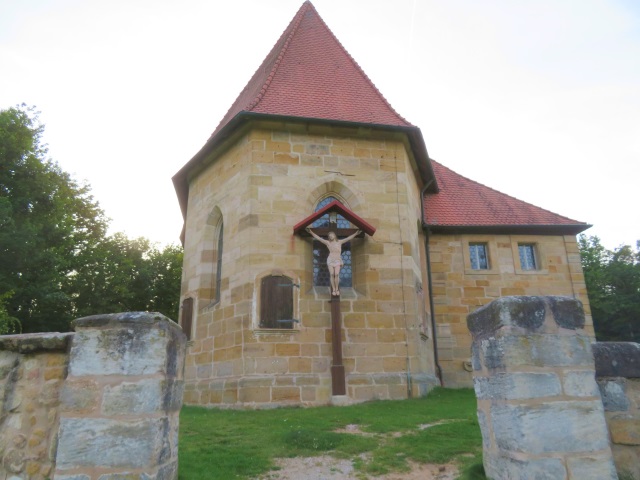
[211,278]
[320,252]
[218,278]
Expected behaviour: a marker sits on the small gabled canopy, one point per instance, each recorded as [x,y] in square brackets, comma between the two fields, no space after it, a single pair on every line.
[339,208]
[463,205]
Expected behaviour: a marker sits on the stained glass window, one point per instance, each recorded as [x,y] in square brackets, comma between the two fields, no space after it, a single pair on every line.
[527,253]
[320,251]
[478,256]
[323,221]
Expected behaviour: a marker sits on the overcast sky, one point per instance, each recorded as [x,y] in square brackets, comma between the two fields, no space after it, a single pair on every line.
[539,99]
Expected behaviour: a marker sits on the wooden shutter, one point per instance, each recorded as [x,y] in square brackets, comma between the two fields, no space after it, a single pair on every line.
[187,316]
[276,302]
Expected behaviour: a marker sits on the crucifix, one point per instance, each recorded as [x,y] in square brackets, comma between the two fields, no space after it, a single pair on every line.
[334,264]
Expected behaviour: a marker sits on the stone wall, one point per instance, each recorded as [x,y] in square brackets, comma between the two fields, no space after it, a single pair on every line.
[539,405]
[459,290]
[32,371]
[98,404]
[618,376]
[271,176]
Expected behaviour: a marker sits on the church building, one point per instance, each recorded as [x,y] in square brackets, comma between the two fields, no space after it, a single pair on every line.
[311,144]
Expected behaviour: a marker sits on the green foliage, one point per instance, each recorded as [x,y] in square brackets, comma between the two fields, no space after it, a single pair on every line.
[54,253]
[119,274]
[613,284]
[8,324]
[243,444]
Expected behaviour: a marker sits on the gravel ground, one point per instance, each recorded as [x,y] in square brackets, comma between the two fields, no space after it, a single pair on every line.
[329,468]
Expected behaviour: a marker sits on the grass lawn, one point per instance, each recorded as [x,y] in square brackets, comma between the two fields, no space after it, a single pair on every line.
[229,444]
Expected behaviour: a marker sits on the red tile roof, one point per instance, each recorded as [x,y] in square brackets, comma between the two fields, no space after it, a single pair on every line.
[461,203]
[309,74]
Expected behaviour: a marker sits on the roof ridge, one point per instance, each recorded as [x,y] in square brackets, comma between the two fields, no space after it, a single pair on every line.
[293,25]
[497,191]
[358,67]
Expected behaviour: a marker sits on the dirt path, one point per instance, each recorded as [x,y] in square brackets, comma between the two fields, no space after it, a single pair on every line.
[329,468]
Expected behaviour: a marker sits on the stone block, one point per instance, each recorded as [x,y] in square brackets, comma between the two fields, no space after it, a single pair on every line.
[567,426]
[567,312]
[106,443]
[536,350]
[285,394]
[287,349]
[143,397]
[517,386]
[484,429]
[627,461]
[36,342]
[126,344]
[581,383]
[524,312]
[625,429]
[617,359]
[592,467]
[255,394]
[501,467]
[79,395]
[613,392]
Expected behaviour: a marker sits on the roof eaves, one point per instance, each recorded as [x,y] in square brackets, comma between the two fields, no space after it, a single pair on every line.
[180,179]
[531,229]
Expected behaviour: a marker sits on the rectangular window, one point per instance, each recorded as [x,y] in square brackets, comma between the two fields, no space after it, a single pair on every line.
[276,302]
[478,256]
[527,252]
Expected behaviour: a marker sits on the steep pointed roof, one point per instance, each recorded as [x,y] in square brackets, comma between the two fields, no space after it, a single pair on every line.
[309,74]
[465,205]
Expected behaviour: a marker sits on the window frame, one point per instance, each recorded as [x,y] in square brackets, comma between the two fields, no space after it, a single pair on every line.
[258,302]
[524,249]
[491,249]
[538,252]
[473,255]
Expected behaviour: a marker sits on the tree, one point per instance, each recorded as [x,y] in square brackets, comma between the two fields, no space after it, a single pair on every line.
[55,257]
[613,284]
[8,324]
[120,274]
[46,221]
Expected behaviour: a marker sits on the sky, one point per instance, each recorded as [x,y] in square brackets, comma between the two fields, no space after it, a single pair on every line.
[539,99]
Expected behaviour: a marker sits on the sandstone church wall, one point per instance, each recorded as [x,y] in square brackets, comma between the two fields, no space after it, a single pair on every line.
[270,178]
[458,290]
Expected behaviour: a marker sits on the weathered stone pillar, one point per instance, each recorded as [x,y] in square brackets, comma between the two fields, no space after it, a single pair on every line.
[539,406]
[120,403]
[618,376]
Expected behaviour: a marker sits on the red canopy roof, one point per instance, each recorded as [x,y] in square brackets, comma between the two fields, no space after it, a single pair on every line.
[336,206]
[461,202]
